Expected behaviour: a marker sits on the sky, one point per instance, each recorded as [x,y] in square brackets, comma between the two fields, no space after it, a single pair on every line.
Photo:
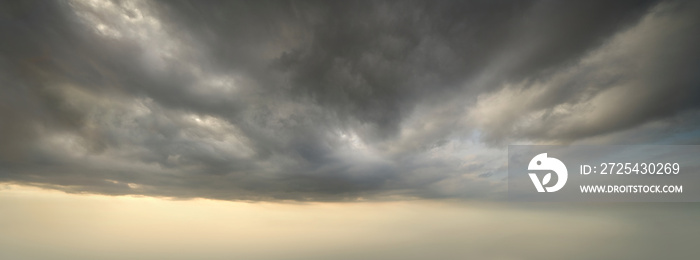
[46,224]
[329,112]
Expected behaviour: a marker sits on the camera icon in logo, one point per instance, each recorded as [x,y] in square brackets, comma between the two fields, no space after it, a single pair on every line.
[541,162]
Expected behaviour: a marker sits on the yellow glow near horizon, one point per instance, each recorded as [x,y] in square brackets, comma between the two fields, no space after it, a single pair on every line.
[43,224]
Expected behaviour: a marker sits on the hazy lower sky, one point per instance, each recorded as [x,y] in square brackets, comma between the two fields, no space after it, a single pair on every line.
[40,224]
[331,129]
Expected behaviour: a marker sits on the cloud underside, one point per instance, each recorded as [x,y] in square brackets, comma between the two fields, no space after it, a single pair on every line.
[330,101]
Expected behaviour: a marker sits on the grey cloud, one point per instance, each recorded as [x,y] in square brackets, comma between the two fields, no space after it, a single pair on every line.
[642,74]
[322,101]
[375,61]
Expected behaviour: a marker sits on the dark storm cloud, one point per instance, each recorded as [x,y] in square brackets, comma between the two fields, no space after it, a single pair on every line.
[373,61]
[326,101]
[641,75]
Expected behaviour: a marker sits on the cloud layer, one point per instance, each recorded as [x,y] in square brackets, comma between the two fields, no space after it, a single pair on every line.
[330,101]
